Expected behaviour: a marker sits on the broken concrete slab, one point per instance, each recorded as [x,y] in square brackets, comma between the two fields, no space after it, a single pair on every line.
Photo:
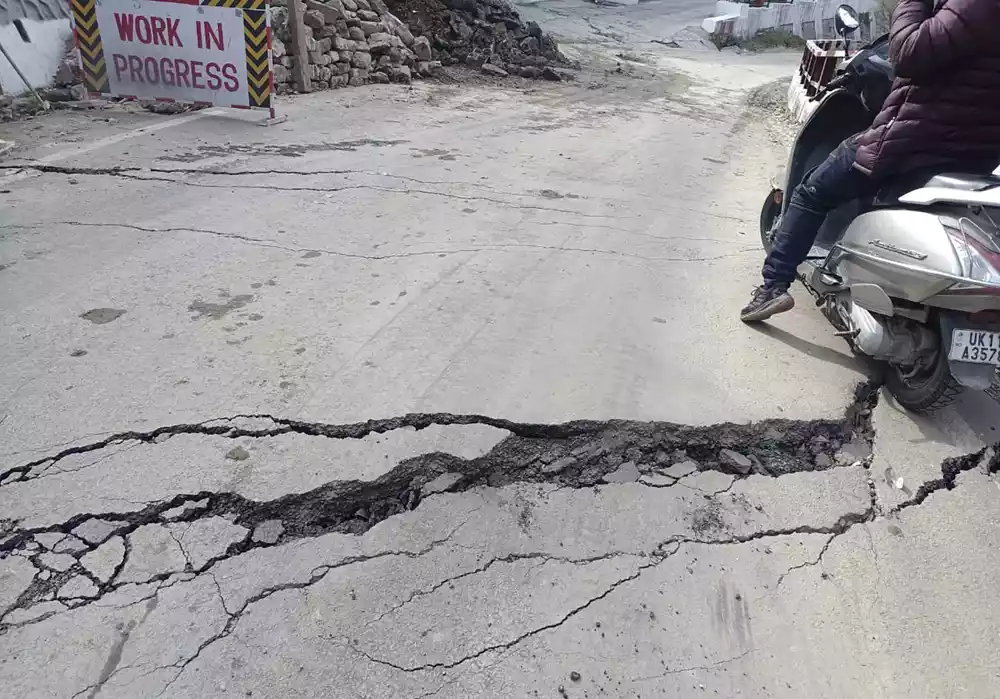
[919,446]
[108,472]
[657,480]
[205,539]
[183,509]
[441,484]
[680,469]
[268,532]
[153,552]
[79,586]
[49,539]
[626,473]
[105,559]
[56,561]
[96,530]
[16,574]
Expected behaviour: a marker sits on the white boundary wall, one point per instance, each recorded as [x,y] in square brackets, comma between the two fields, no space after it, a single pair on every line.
[810,19]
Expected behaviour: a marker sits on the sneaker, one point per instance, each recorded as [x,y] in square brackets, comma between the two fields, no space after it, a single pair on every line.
[766,302]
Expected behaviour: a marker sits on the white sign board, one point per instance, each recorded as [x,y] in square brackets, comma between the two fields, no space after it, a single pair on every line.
[177,50]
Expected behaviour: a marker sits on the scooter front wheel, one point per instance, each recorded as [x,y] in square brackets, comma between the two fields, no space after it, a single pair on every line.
[769,214]
[923,391]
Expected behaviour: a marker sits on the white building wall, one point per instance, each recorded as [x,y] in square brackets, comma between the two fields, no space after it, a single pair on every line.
[811,19]
[37,58]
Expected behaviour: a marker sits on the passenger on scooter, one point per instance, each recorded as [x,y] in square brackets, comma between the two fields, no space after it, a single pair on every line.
[943,112]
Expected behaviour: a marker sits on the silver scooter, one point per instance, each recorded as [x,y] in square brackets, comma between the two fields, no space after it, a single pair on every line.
[911,278]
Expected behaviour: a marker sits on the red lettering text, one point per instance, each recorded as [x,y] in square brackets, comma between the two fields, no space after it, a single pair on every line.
[167,71]
[212,71]
[173,38]
[214,37]
[158,31]
[229,73]
[135,69]
[159,25]
[124,23]
[142,28]
[175,72]
[183,69]
[152,70]
[121,63]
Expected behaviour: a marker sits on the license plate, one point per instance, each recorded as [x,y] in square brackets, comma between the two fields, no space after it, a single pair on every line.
[976,346]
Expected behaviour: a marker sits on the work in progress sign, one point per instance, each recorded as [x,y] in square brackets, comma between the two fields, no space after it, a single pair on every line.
[214,52]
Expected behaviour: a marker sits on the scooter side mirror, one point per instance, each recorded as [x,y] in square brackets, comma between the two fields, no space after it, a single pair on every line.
[846,20]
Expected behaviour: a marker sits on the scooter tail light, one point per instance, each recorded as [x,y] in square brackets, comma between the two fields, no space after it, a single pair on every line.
[979,263]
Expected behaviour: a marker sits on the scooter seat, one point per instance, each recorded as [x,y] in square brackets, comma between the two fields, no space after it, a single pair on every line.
[961,182]
[964,183]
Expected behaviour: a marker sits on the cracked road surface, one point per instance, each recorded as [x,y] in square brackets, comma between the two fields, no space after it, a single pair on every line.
[441,392]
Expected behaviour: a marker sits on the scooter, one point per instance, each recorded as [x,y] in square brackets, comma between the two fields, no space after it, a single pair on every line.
[912,277]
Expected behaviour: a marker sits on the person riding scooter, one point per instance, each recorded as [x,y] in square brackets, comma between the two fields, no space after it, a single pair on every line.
[943,112]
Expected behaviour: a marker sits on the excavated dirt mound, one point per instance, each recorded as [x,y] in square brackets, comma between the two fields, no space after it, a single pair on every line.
[482,33]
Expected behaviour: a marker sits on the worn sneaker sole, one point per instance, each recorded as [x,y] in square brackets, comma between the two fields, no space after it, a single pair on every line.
[783,303]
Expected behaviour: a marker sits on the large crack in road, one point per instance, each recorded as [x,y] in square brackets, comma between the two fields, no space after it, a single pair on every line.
[575,455]
[579,454]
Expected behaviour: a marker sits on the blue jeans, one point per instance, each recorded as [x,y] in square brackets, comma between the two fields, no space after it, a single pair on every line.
[834,183]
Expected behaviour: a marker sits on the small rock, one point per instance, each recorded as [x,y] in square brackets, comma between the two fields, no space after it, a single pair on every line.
[422,48]
[558,465]
[823,461]
[237,454]
[852,452]
[380,78]
[628,472]
[379,43]
[550,74]
[361,60]
[356,34]
[314,19]
[441,484]
[268,532]
[491,69]
[740,463]
[44,574]
[400,74]
[277,48]
[657,480]
[898,484]
[575,676]
[80,586]
[428,68]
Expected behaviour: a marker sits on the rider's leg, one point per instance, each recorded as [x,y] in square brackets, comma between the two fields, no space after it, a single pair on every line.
[835,182]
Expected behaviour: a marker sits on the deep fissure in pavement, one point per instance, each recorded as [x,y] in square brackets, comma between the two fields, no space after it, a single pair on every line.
[580,454]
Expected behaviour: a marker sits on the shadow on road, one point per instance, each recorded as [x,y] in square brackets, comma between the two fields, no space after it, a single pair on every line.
[820,352]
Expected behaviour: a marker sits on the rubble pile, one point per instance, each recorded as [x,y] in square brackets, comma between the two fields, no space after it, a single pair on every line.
[351,42]
[486,34]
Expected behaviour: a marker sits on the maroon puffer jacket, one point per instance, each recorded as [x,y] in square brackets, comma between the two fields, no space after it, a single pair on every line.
[944,108]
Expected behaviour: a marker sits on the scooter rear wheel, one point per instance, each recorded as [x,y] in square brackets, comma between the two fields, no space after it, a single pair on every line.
[926,391]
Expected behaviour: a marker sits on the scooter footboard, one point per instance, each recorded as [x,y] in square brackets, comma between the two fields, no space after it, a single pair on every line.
[972,348]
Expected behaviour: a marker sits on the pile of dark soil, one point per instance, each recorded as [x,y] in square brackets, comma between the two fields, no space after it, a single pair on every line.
[481,33]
